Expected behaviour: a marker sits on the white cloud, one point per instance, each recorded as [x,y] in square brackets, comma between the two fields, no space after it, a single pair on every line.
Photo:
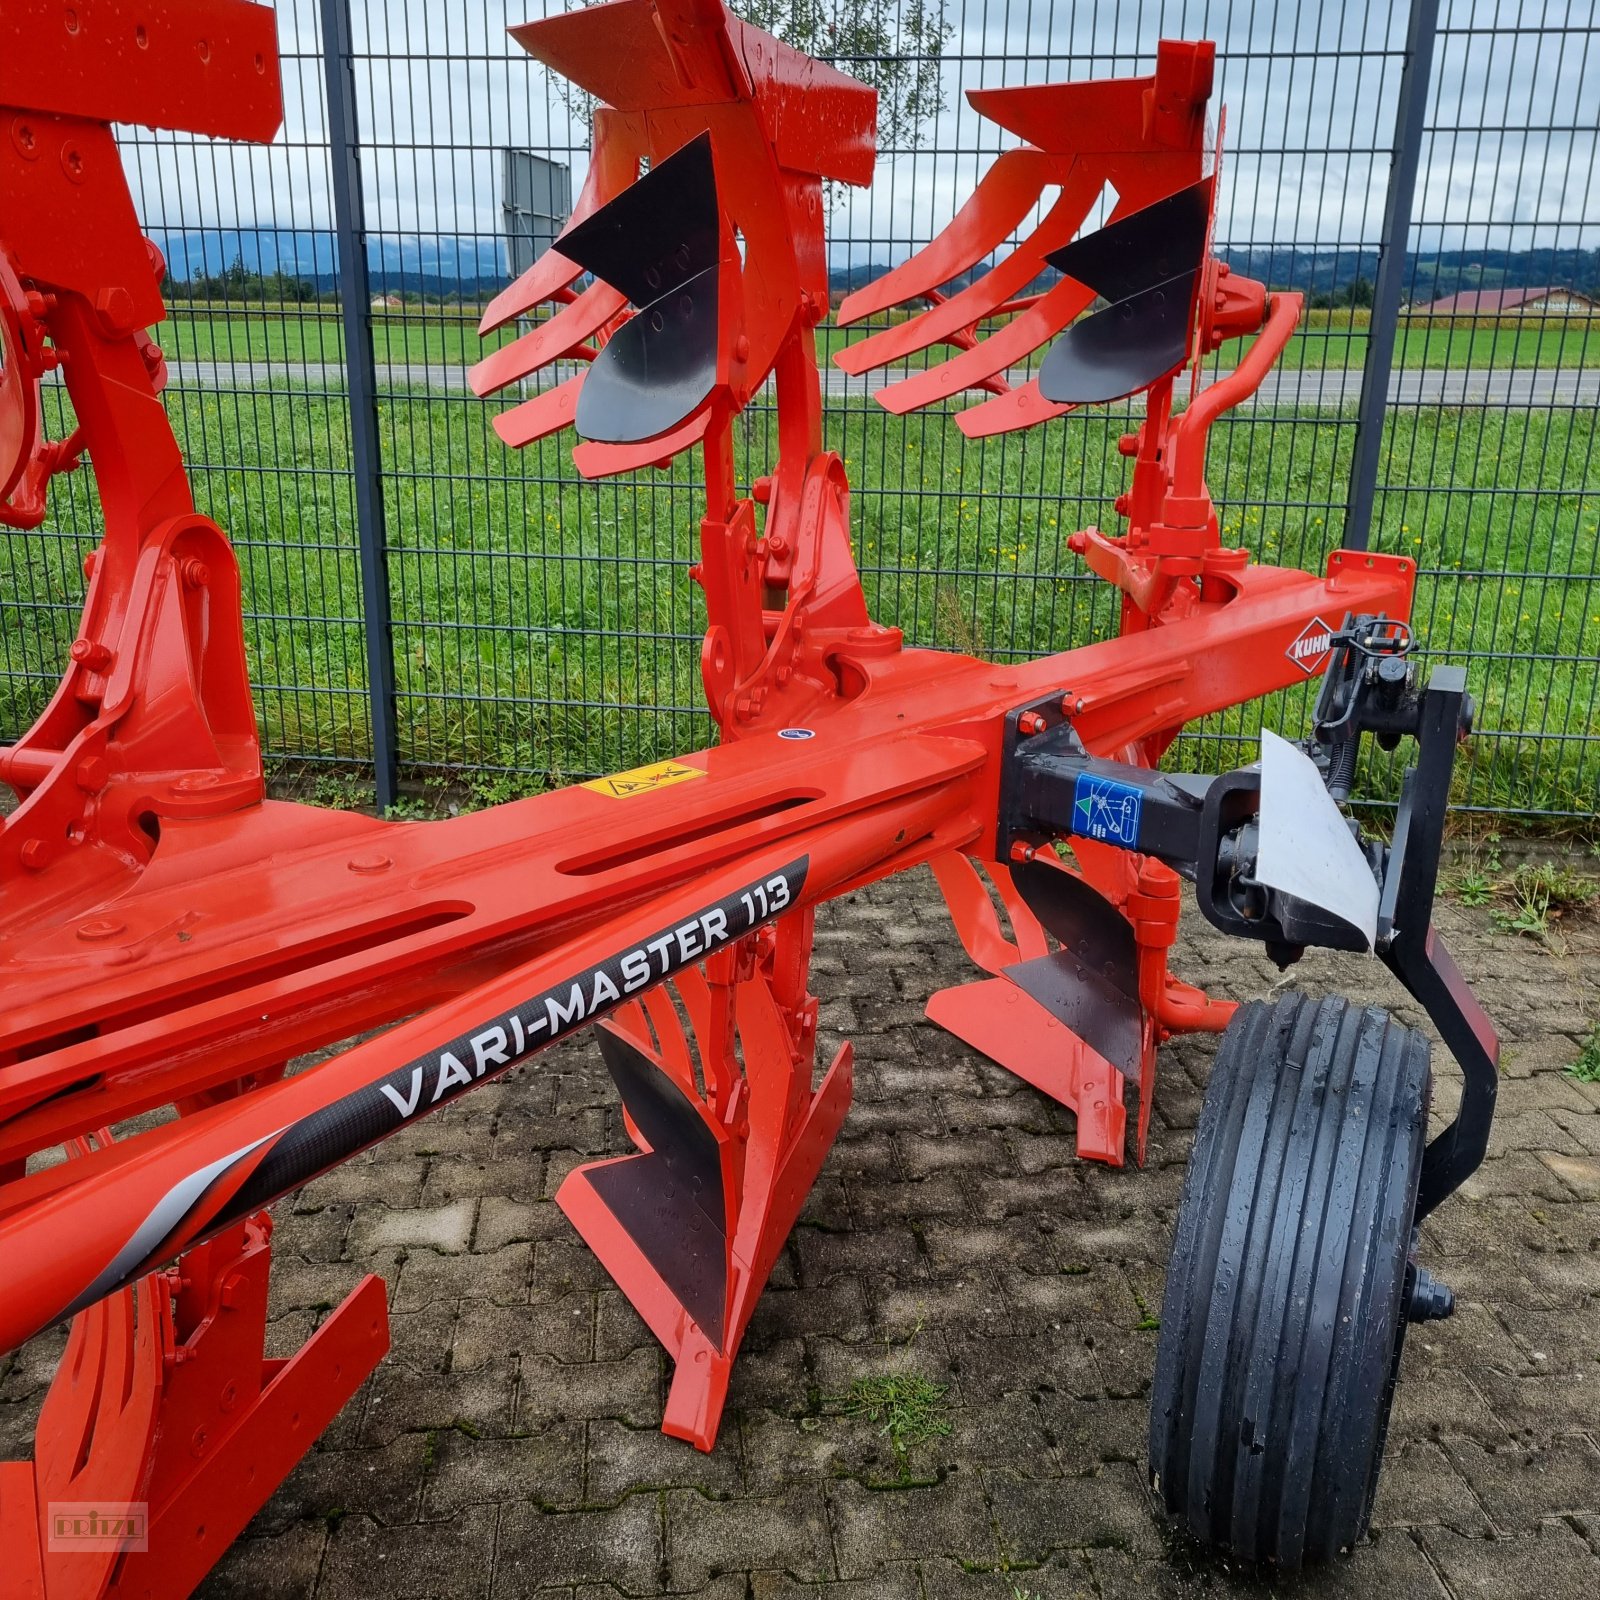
[1310,90]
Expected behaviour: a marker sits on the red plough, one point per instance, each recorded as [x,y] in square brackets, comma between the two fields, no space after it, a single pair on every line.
[171,938]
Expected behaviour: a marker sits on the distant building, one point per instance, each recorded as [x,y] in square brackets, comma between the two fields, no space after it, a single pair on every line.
[387,302]
[1540,301]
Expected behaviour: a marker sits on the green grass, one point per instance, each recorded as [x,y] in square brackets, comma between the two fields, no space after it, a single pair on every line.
[1586,1068]
[548,625]
[906,1408]
[447,335]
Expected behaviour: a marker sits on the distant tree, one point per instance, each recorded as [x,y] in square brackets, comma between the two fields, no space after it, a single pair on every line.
[1359,293]
[897,46]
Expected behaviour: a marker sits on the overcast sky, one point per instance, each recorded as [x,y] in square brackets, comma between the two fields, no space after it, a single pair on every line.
[1310,91]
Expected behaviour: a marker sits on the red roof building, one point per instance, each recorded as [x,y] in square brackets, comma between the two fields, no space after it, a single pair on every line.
[1543,299]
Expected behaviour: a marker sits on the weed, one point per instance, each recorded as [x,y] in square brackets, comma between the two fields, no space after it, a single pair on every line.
[1541,893]
[1148,1321]
[1586,1069]
[411,808]
[1566,890]
[908,1408]
[1473,888]
[340,791]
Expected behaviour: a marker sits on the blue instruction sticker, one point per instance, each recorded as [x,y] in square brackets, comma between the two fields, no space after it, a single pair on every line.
[1107,810]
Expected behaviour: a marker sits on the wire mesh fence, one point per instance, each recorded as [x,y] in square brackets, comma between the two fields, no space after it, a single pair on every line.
[542,628]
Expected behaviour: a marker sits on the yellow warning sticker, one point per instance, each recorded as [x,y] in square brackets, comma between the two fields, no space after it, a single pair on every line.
[641,780]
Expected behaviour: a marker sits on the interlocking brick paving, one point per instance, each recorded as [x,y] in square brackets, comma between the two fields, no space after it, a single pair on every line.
[509,1443]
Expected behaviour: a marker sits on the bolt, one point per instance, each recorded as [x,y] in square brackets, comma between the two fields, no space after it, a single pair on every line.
[1030,722]
[196,574]
[777,545]
[90,654]
[1427,1299]
[1122,504]
[25,139]
[1128,444]
[72,161]
[1022,852]
[115,309]
[33,855]
[91,774]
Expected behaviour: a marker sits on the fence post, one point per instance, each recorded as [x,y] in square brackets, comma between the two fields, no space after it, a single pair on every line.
[344,150]
[1408,117]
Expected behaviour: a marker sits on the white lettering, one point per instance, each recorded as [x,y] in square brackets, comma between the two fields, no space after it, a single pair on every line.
[450,1072]
[688,942]
[561,1015]
[635,971]
[405,1107]
[605,991]
[490,1046]
[715,923]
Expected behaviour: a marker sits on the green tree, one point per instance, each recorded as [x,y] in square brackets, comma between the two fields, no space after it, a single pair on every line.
[897,46]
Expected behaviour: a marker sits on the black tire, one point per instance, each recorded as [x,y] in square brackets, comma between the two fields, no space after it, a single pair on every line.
[1284,1309]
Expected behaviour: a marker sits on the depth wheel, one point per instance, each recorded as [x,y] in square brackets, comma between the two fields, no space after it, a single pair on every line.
[1285,1301]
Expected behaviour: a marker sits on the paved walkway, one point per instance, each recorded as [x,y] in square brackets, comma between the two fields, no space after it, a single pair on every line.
[509,1444]
[1311,388]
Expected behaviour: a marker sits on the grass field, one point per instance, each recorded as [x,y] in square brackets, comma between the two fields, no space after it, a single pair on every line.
[548,626]
[434,335]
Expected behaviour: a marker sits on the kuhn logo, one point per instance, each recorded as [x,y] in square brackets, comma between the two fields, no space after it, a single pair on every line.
[1310,648]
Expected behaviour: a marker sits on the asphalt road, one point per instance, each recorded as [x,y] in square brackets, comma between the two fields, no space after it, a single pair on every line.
[1305,388]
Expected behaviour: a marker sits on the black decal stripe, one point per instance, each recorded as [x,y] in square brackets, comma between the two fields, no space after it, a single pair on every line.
[333,1133]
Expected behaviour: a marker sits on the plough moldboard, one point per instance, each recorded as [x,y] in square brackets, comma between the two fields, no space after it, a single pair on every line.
[170,937]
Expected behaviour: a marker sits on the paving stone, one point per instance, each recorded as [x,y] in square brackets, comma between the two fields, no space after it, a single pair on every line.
[1537,1409]
[328,1485]
[1068,1576]
[499,1275]
[891,1583]
[403,1400]
[545,1468]
[1108,1506]
[447,1229]
[628,1390]
[420,1561]
[623,1459]
[281,1567]
[1420,1487]
[786,1532]
[874,1526]
[781,1450]
[1520,1487]
[618,1545]
[1552,1563]
[560,1330]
